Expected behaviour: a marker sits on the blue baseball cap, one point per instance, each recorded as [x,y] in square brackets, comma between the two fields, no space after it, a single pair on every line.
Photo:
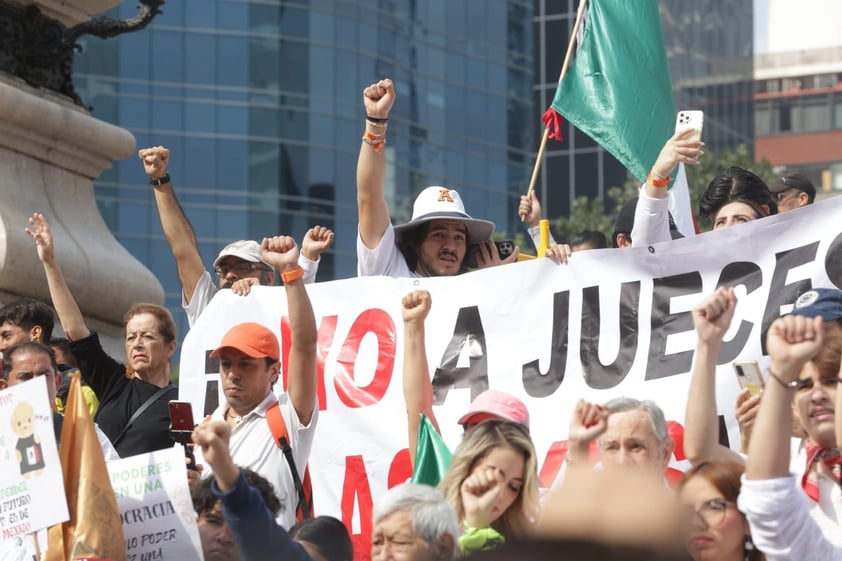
[824,302]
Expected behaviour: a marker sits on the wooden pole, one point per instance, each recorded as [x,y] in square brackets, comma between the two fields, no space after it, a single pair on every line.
[543,147]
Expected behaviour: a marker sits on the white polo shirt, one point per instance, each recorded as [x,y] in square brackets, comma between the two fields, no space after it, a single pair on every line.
[253,447]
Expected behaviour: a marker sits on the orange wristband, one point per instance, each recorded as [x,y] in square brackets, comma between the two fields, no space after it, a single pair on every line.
[376,142]
[289,276]
[659,183]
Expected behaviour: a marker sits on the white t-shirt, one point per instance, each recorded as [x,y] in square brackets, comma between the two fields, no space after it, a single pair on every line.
[253,446]
[384,260]
[206,289]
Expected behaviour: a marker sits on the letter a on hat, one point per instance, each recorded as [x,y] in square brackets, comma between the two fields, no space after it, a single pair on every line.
[444,195]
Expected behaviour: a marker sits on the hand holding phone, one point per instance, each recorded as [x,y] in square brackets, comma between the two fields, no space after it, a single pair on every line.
[504,249]
[749,376]
[690,120]
[181,421]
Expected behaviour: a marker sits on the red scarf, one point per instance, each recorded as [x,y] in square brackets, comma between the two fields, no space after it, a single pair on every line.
[831,457]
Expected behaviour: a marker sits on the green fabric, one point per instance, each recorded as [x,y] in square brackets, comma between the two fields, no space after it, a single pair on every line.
[617,89]
[432,457]
[479,539]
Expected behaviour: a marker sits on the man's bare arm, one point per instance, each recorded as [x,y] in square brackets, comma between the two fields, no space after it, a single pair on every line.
[177,228]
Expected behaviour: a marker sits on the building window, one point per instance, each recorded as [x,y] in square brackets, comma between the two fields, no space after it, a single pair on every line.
[784,117]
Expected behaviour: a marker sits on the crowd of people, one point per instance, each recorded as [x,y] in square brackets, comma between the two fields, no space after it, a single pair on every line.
[778,498]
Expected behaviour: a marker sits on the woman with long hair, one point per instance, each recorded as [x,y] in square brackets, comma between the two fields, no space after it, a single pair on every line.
[492,484]
[716,529]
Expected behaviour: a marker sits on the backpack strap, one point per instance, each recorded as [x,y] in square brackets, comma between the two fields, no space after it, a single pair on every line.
[281,437]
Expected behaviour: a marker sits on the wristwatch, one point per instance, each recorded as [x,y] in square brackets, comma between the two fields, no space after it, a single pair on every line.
[159,181]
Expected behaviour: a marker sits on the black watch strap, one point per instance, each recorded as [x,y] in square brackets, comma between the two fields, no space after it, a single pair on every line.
[159,181]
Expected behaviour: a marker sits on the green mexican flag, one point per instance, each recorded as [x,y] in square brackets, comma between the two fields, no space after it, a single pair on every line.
[432,457]
[617,89]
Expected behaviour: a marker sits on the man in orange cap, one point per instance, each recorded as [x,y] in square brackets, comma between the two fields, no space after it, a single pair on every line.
[249,365]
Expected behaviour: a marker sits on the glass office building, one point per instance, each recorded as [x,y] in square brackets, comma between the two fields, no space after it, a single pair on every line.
[709,48]
[260,103]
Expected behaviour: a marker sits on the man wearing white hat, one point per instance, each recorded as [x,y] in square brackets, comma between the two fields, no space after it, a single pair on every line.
[238,266]
[436,240]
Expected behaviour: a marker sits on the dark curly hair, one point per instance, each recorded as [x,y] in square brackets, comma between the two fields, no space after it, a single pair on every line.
[204,499]
[737,185]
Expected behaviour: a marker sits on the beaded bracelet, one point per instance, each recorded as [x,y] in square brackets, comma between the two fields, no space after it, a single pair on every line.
[376,142]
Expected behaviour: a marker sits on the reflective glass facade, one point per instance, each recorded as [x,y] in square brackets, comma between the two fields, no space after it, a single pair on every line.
[709,47]
[260,103]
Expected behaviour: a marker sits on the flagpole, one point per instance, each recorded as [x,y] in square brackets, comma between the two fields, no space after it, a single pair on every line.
[579,14]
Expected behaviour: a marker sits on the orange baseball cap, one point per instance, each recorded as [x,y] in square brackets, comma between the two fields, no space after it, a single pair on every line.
[251,339]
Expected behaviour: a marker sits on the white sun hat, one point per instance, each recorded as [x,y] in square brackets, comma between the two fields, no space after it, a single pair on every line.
[441,203]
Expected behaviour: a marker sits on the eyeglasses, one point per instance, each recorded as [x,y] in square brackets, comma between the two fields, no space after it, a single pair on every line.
[783,194]
[242,268]
[712,512]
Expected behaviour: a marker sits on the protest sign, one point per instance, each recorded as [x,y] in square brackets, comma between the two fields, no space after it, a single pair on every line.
[29,461]
[610,323]
[155,506]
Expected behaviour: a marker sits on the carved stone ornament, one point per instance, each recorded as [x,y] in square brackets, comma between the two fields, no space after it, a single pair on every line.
[39,50]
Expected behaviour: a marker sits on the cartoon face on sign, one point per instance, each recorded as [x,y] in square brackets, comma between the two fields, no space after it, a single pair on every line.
[28,449]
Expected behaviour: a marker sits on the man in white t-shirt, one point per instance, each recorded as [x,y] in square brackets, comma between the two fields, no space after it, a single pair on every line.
[249,365]
[435,242]
[238,266]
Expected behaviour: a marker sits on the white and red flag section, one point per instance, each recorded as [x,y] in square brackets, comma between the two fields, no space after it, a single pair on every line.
[617,90]
[610,323]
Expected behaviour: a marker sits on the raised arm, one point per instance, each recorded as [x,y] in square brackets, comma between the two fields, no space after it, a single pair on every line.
[588,422]
[651,216]
[417,387]
[67,310]
[791,342]
[282,253]
[371,165]
[701,425]
[177,228]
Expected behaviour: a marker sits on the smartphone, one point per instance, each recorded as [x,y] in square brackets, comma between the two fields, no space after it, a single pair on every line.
[690,120]
[749,376]
[504,249]
[181,421]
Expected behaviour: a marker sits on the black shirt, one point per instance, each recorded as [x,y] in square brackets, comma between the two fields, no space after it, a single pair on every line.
[119,397]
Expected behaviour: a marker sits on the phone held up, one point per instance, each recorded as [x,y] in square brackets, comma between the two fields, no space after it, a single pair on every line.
[749,376]
[181,429]
[690,120]
[504,249]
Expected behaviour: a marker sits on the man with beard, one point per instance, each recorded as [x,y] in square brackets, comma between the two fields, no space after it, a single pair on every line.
[238,266]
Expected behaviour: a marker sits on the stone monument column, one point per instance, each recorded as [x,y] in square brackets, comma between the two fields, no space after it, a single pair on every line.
[51,150]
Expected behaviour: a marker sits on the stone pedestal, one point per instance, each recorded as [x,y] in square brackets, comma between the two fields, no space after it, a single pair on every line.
[50,151]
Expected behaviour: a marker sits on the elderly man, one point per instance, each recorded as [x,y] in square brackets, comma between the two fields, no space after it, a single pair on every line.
[249,365]
[630,432]
[414,523]
[238,266]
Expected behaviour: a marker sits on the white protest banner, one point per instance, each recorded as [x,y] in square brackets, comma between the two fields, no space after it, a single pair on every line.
[29,462]
[155,506]
[611,323]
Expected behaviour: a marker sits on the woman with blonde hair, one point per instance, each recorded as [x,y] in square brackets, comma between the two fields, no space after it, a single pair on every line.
[492,484]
